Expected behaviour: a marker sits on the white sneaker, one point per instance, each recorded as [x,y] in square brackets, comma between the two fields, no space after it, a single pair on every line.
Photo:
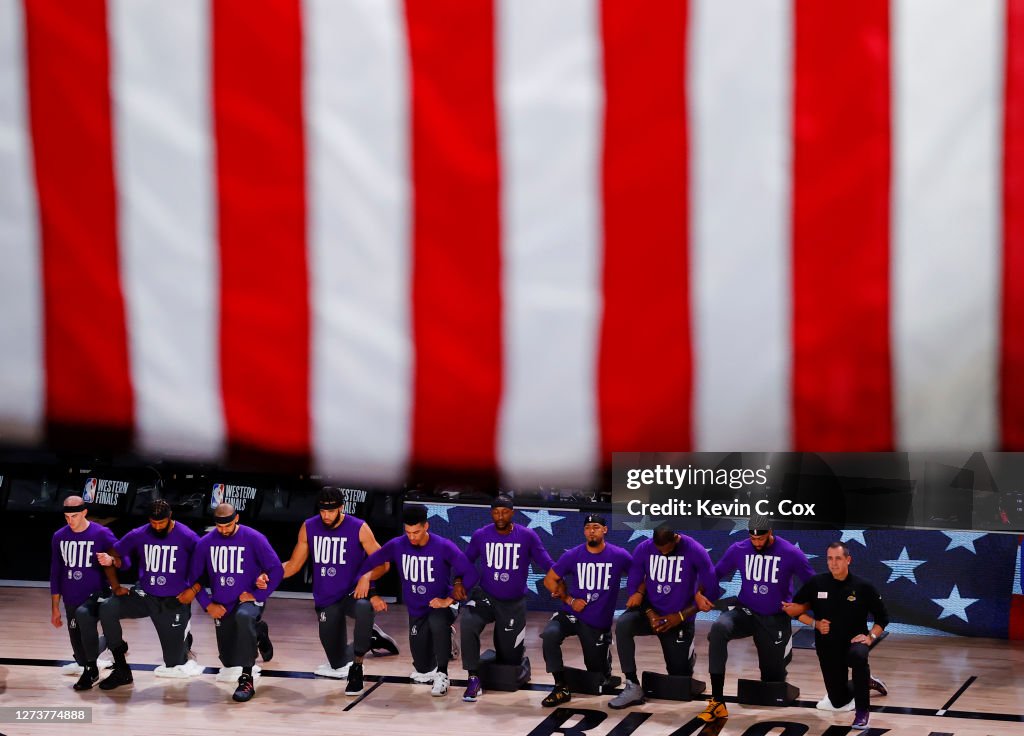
[826,704]
[191,668]
[422,678]
[73,669]
[325,670]
[440,685]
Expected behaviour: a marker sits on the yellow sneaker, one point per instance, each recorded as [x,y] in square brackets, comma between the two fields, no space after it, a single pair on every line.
[715,710]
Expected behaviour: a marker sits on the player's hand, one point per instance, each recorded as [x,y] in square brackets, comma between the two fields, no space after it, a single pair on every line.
[186,596]
[440,602]
[822,625]
[667,623]
[55,618]
[578,604]
[861,639]
[702,602]
[121,590]
[104,559]
[216,610]
[362,588]
[635,600]
[246,597]
[261,581]
[792,609]
[459,591]
[379,604]
[560,590]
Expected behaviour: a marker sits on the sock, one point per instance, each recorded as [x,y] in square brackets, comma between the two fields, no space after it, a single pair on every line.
[631,676]
[718,687]
[473,673]
[559,678]
[247,671]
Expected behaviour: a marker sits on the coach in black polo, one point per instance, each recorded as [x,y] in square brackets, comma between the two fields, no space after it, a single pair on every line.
[841,603]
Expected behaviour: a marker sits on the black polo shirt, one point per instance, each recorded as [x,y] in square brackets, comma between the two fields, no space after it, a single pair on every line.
[845,603]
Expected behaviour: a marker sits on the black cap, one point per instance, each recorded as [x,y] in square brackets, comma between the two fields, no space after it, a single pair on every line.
[595,519]
[502,502]
[759,525]
[414,514]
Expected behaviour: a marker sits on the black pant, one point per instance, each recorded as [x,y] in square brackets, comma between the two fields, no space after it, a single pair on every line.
[237,633]
[81,623]
[333,629]
[171,619]
[772,638]
[676,644]
[596,644]
[509,619]
[834,661]
[430,640]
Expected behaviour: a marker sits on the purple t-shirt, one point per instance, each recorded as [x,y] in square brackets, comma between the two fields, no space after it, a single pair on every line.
[336,556]
[506,559]
[231,565]
[767,576]
[595,578]
[672,579]
[163,561]
[75,573]
[426,572]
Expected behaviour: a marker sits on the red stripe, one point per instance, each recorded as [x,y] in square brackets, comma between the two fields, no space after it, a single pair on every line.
[1016,627]
[1012,367]
[645,391]
[257,99]
[841,365]
[87,373]
[456,312]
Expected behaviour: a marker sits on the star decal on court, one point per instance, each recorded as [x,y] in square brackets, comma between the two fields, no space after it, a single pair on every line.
[467,538]
[732,587]
[643,529]
[532,578]
[808,556]
[954,605]
[964,539]
[739,525]
[853,535]
[902,567]
[437,509]
[542,520]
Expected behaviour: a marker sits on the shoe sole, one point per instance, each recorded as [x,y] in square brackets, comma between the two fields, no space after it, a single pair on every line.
[627,705]
[353,693]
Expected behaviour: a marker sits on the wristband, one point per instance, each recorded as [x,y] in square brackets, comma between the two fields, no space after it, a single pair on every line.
[571,601]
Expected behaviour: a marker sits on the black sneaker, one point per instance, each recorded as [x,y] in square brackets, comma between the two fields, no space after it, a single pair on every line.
[354,686]
[245,689]
[877,685]
[89,677]
[559,696]
[380,641]
[120,675]
[264,644]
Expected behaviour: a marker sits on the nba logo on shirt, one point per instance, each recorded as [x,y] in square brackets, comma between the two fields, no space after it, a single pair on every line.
[217,497]
[89,492]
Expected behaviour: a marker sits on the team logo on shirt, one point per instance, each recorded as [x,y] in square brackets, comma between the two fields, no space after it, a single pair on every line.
[592,597]
[664,588]
[852,598]
[504,577]
[763,589]
[230,581]
[421,589]
[161,580]
[78,575]
[331,572]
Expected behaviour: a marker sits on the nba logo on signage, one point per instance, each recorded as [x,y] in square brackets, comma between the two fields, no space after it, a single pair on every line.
[89,492]
[217,497]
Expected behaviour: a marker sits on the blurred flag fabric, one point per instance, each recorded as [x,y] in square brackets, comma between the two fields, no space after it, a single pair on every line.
[512,234]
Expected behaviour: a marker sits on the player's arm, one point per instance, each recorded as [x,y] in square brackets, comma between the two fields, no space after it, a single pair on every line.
[364,588]
[376,564]
[110,570]
[299,555]
[56,568]
[555,585]
[879,616]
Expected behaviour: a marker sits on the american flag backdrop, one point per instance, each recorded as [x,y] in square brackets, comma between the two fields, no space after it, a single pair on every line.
[513,234]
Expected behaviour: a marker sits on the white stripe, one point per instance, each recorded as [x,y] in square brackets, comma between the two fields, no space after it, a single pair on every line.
[947,94]
[21,308]
[160,69]
[550,103]
[360,254]
[740,236]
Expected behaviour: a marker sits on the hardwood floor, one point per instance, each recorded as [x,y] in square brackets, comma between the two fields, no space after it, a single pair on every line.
[923,674]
